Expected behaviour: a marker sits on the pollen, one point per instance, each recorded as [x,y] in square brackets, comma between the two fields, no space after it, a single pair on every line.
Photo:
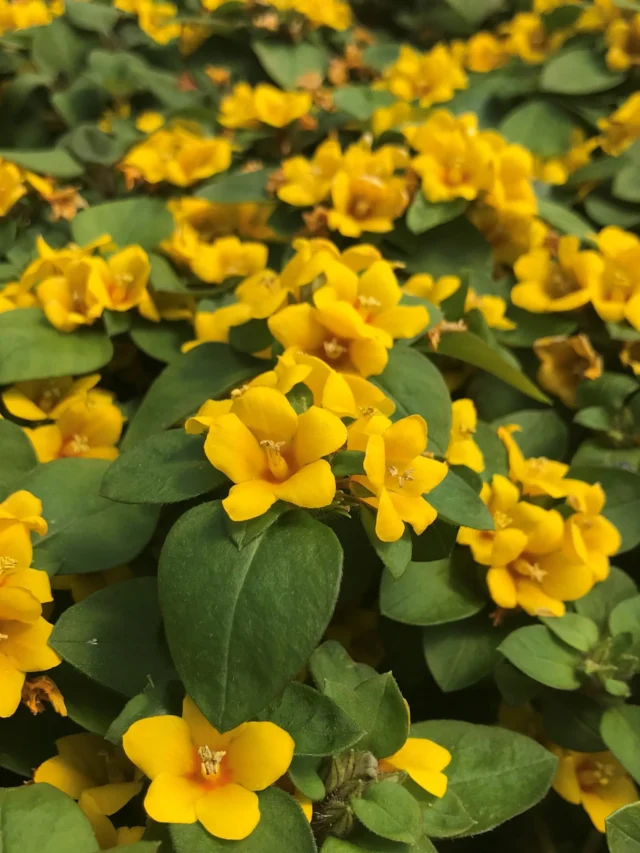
[333,349]
[210,760]
[369,301]
[7,563]
[501,519]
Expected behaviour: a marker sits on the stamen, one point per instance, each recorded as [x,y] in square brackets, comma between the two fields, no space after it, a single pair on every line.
[501,519]
[333,349]
[7,563]
[79,444]
[238,392]
[4,636]
[210,761]
[369,301]
[272,445]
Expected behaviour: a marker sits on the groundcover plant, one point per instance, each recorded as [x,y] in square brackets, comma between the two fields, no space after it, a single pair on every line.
[320,426]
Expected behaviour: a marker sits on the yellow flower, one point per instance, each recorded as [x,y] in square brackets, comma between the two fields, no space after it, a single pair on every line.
[121,281]
[616,293]
[158,306]
[366,193]
[11,186]
[589,536]
[510,235]
[149,121]
[65,201]
[547,285]
[325,13]
[271,453]
[198,774]
[263,292]
[630,356]
[556,170]
[308,182]
[215,325]
[537,476]
[89,429]
[398,475]
[512,189]
[228,257]
[623,40]
[238,110]
[54,262]
[71,300]
[13,295]
[622,127]
[435,291]
[565,363]
[277,108]
[46,399]
[23,510]
[430,78]
[597,15]
[423,761]
[595,780]
[157,20]
[528,38]
[388,118]
[492,308]
[484,52]
[95,773]
[527,566]
[454,160]
[462,449]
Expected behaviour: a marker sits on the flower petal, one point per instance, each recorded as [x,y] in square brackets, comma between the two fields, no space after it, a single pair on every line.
[63,775]
[389,524]
[202,732]
[267,413]
[405,439]
[258,754]
[319,433]
[12,681]
[313,486]
[502,587]
[249,500]
[232,448]
[173,799]
[161,745]
[229,811]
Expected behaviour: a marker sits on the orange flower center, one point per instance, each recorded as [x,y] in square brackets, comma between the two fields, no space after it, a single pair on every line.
[278,465]
[595,774]
[210,760]
[561,283]
[333,349]
[76,446]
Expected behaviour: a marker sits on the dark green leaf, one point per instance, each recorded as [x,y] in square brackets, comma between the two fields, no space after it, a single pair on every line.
[563,219]
[156,700]
[287,63]
[164,278]
[54,162]
[347,462]
[536,652]
[361,101]
[462,653]
[572,720]
[458,503]
[237,188]
[251,337]
[303,772]
[389,810]
[394,555]
[542,432]
[578,71]
[424,215]
[17,459]
[541,126]
[162,341]
[330,662]
[57,49]
[93,17]
[620,730]
[141,221]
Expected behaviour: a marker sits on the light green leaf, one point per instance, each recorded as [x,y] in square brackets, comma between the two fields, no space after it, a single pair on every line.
[496,773]
[93,17]
[458,503]
[625,616]
[576,631]
[541,126]
[115,636]
[164,278]
[462,653]
[287,63]
[605,210]
[605,596]
[389,810]
[30,348]
[620,730]
[141,221]
[424,215]
[623,829]
[563,219]
[55,162]
[209,370]
[164,468]
[18,457]
[431,593]
[235,671]
[626,184]
[162,341]
[87,533]
[542,432]
[303,772]
[58,49]
[475,13]
[578,71]
[361,101]
[237,187]
[446,817]
[536,652]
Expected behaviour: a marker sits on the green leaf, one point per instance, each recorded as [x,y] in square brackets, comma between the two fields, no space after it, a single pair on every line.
[396,556]
[303,772]
[417,387]
[605,596]
[431,593]
[315,722]
[389,810]
[378,56]
[54,162]
[446,817]
[363,841]
[620,730]
[561,18]
[471,349]
[87,533]
[243,532]
[57,49]
[330,662]
[115,636]
[164,278]
[625,617]
[92,145]
[605,210]
[89,704]
[361,101]
[287,63]
[623,829]
[164,468]
[162,341]
[572,720]
[458,503]
[30,348]
[282,827]
[541,126]
[475,13]
[424,215]
[493,450]
[251,337]
[460,654]
[347,462]
[496,773]
[542,432]
[610,390]
[578,71]
[575,630]
[155,700]
[93,17]
[600,169]
[563,219]
[626,184]
[237,188]
[41,818]
[235,671]
[209,370]
[530,327]
[536,652]
[18,457]
[622,489]
[141,221]
[377,706]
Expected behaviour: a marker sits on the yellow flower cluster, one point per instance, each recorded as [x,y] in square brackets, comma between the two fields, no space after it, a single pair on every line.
[335,14]
[15,183]
[24,633]
[491,307]
[23,14]
[179,154]
[246,107]
[157,20]
[536,558]
[428,78]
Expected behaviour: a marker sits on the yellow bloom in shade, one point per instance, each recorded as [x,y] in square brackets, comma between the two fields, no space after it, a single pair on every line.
[13,296]
[630,356]
[547,285]
[435,290]
[597,15]
[511,191]
[492,308]
[228,257]
[431,78]
[595,780]
[149,121]
[86,428]
[527,38]
[215,325]
[157,20]
[398,475]
[527,566]
[42,399]
[71,300]
[198,774]
[623,41]
[565,363]
[12,187]
[271,453]
[537,476]
[589,536]
[263,292]
[366,193]
[323,13]
[462,448]
[277,108]
[622,127]
[122,280]
[95,773]
[616,293]
[388,118]
[237,110]
[510,235]
[454,160]
[557,170]
[423,761]
[308,182]
[484,52]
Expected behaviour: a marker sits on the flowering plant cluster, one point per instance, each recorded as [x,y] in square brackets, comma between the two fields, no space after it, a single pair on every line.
[319,426]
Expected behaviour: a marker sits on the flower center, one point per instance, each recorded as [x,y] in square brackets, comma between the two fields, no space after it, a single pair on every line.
[529,569]
[210,760]
[333,349]
[7,563]
[4,636]
[560,283]
[276,462]
[596,773]
[368,301]
[501,519]
[405,477]
[79,444]
[238,392]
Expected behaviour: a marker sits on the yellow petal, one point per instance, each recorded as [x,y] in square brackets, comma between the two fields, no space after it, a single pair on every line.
[25,507]
[28,646]
[249,500]
[424,761]
[258,754]
[405,439]
[103,828]
[267,413]
[507,545]
[375,464]
[34,581]
[232,448]
[502,587]
[297,326]
[319,433]
[312,487]
[173,799]
[389,524]
[46,440]
[15,543]
[229,811]
[112,797]
[368,356]
[11,683]
[64,776]
[535,601]
[161,745]
[566,778]
[18,604]
[606,799]
[202,732]
[403,321]
[416,511]
[565,579]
